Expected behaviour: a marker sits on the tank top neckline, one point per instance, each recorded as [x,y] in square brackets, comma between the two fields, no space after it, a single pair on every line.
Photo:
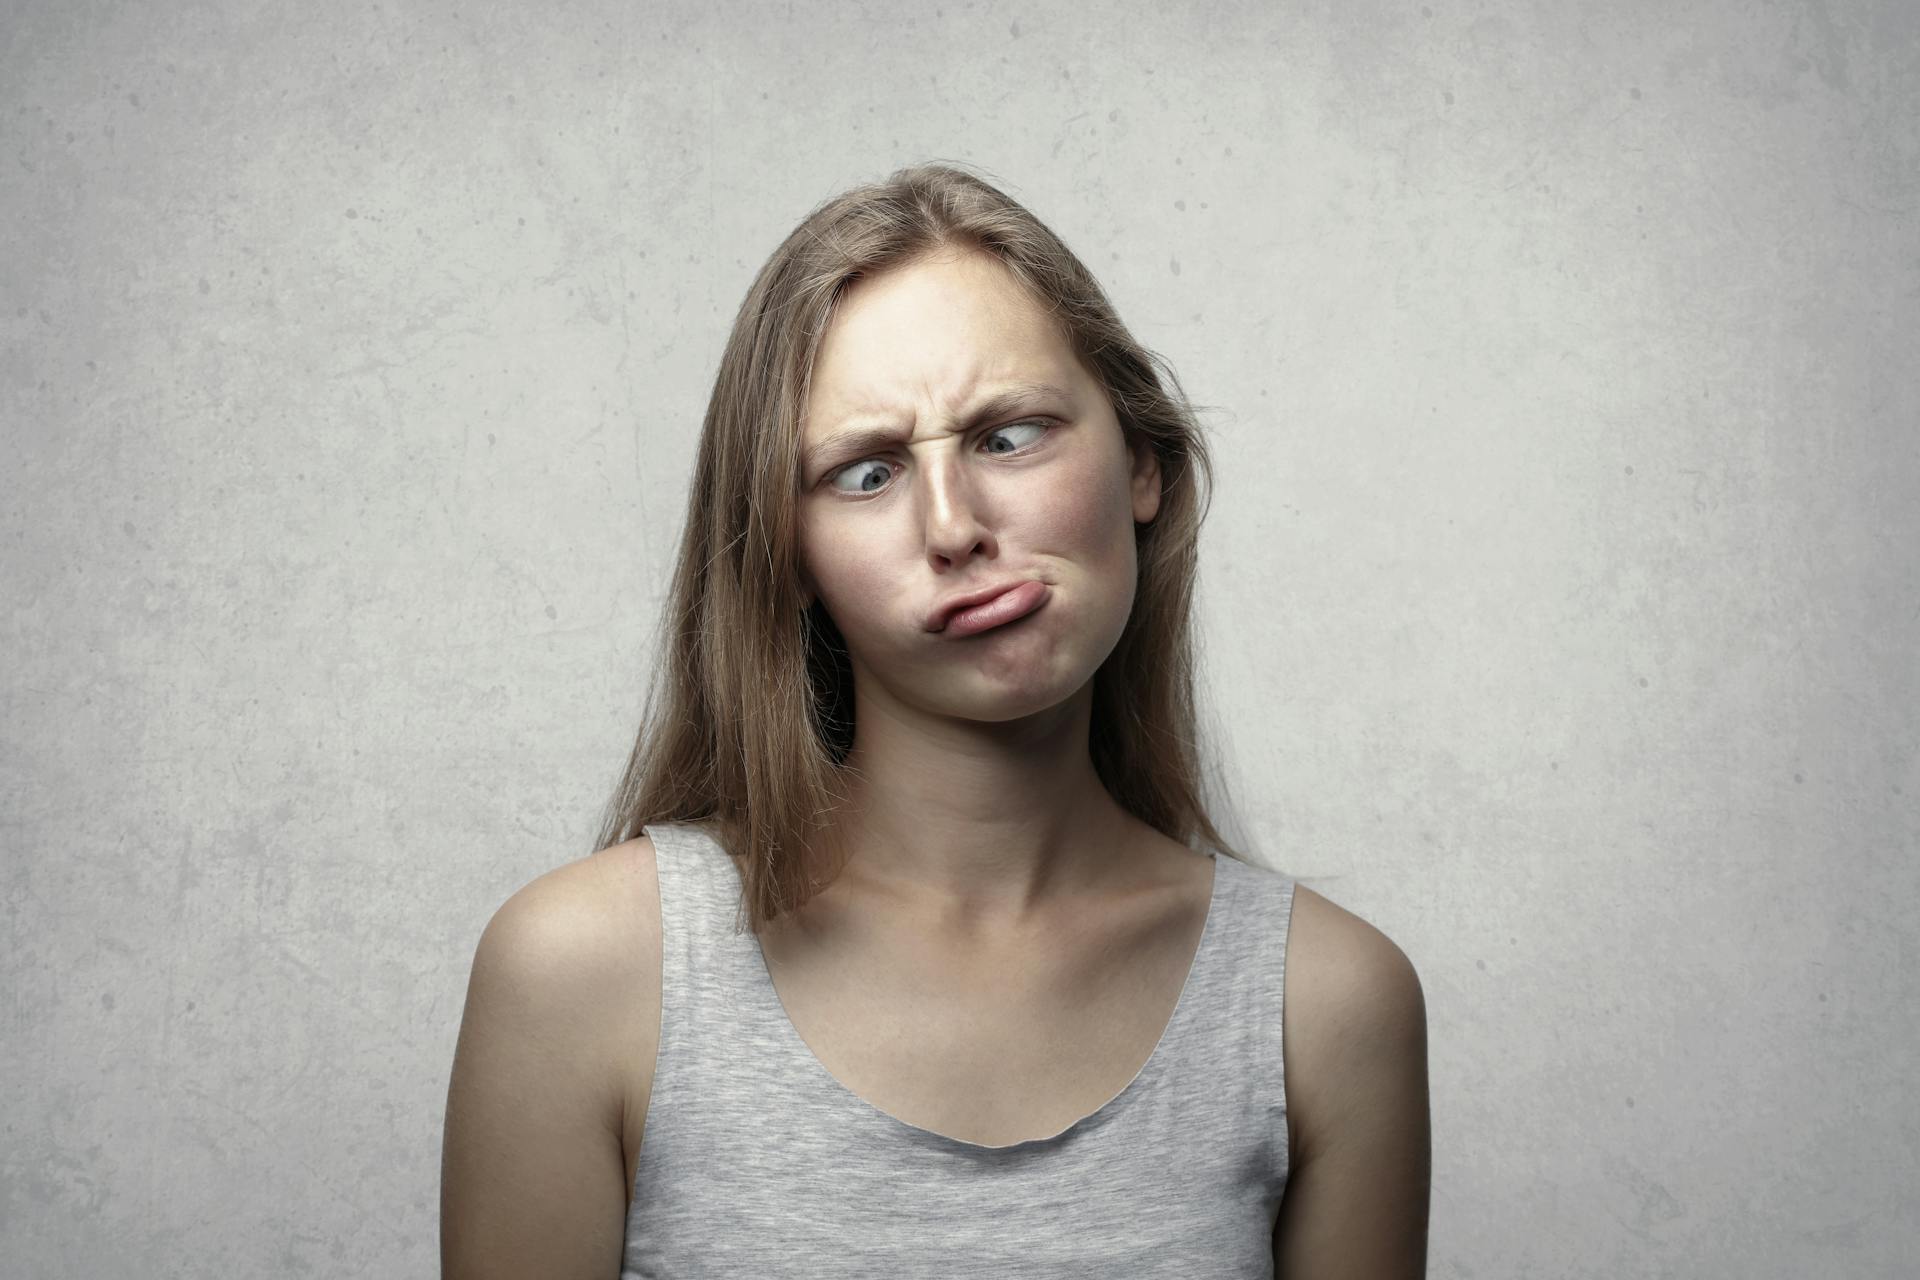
[1144,1078]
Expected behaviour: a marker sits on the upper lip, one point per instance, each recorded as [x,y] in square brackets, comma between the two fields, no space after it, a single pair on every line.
[942,612]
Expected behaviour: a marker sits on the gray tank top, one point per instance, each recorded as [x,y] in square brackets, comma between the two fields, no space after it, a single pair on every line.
[757,1161]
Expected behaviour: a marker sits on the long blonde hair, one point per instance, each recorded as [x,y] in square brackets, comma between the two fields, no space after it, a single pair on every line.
[749,730]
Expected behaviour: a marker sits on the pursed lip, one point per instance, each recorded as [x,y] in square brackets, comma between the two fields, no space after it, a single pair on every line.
[944,611]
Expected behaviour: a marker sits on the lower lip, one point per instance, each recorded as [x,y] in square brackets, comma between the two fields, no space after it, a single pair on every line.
[1003,608]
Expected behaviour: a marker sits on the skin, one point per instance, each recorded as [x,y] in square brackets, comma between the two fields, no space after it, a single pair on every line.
[978,825]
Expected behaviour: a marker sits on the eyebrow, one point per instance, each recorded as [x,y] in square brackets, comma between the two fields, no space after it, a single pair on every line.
[859,441]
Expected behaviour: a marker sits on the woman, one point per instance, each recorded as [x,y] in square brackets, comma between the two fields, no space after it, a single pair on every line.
[928,725]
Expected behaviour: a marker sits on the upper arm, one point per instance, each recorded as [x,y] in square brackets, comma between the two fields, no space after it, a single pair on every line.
[533,1177]
[1355,1048]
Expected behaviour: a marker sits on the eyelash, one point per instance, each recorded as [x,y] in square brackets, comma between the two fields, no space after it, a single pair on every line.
[1047,429]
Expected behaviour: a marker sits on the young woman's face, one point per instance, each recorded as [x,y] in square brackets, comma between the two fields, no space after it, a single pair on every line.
[954,494]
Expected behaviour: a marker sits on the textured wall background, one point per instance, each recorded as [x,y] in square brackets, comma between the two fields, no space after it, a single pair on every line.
[1562,594]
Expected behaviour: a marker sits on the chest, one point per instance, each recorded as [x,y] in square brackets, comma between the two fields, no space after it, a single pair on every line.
[988,1049]
[988,1044]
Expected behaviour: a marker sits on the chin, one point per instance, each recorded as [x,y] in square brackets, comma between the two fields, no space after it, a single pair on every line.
[1016,693]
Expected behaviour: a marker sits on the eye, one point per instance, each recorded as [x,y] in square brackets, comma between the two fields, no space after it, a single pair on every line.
[1039,427]
[873,481]
[853,468]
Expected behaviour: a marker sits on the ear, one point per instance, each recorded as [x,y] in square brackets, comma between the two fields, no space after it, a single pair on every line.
[1146,478]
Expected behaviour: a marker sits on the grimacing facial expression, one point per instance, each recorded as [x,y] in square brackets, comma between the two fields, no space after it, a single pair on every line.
[943,493]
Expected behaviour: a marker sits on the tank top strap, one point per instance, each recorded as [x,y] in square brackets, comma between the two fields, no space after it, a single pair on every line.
[707,968]
[1234,1037]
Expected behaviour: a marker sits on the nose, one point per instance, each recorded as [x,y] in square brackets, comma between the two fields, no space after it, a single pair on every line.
[955,529]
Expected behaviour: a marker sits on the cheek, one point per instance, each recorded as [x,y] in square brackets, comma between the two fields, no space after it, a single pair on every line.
[848,580]
[1092,513]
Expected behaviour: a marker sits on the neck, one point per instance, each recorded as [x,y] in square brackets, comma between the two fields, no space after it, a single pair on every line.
[979,827]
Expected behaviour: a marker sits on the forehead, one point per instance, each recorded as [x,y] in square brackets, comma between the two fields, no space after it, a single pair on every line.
[929,334]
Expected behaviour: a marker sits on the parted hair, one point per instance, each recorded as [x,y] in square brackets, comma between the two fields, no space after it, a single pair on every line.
[748,714]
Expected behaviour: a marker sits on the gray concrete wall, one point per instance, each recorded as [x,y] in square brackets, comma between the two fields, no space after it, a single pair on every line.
[1562,590]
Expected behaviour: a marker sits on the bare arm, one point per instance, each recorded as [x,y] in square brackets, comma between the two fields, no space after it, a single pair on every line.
[533,1175]
[1355,1044]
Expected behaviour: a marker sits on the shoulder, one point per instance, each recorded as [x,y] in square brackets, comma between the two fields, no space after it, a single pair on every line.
[580,926]
[537,1153]
[572,959]
[1359,1132]
[1354,1020]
